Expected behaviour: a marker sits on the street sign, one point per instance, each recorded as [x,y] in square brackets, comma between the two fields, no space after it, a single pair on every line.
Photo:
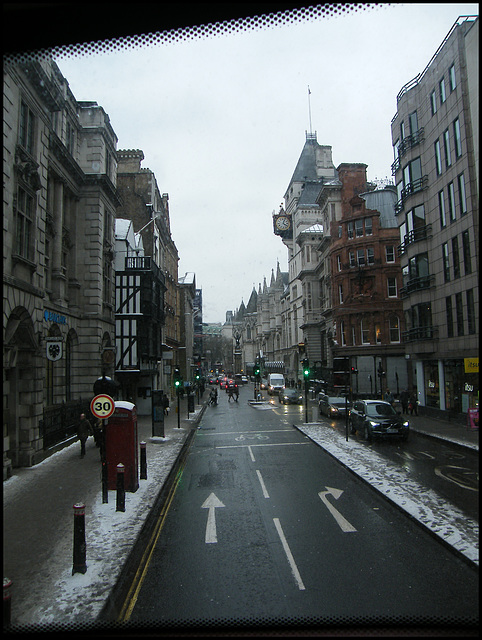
[102,406]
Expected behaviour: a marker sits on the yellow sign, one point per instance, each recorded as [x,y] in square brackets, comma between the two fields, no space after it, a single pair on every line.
[471,365]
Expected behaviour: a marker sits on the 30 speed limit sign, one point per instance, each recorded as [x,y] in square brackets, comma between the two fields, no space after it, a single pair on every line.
[102,406]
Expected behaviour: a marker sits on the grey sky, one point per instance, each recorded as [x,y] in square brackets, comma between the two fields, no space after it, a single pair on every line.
[222,119]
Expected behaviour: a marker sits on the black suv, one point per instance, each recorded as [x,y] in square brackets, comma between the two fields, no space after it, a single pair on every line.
[377,419]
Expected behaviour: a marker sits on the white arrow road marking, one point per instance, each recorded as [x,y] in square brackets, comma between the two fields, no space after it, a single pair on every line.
[342,522]
[211,503]
[287,550]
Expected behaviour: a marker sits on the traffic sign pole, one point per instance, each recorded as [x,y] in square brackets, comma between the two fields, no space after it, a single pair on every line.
[102,407]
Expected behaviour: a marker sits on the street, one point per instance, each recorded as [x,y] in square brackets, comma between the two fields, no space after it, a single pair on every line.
[452,471]
[265,527]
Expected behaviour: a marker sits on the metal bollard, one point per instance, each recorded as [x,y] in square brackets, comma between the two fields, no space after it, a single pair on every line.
[143,475]
[79,565]
[120,504]
[7,602]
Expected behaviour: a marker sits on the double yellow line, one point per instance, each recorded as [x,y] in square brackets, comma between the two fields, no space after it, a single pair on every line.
[133,593]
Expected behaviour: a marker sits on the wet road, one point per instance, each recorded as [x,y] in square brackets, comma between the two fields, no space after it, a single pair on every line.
[265,527]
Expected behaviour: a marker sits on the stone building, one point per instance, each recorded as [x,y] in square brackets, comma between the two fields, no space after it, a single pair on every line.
[435,140]
[59,211]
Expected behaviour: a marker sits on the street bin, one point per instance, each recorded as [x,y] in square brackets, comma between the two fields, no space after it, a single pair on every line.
[121,446]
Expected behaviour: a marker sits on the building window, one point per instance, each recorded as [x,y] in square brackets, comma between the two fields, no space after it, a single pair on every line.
[26,132]
[446,262]
[351,256]
[462,196]
[350,229]
[455,257]
[392,287]
[459,313]
[390,253]
[70,138]
[368,227]
[340,230]
[438,158]
[378,334]
[365,336]
[470,310]
[457,138]
[441,208]
[360,255]
[451,193]
[394,329]
[448,157]
[370,255]
[24,224]
[353,335]
[449,317]
[343,334]
[340,293]
[359,228]
[443,95]
[466,252]
[433,102]
[452,81]
[338,262]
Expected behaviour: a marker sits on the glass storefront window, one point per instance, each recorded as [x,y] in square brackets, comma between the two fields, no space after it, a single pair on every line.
[430,372]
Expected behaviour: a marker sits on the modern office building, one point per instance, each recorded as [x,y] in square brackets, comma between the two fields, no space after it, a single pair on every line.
[435,141]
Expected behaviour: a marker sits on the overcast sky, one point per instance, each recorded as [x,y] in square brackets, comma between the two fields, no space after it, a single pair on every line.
[221,120]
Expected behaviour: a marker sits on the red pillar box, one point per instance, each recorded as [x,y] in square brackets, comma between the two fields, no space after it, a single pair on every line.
[121,446]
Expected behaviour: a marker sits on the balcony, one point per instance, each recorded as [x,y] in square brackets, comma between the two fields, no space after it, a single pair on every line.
[416,235]
[407,143]
[412,187]
[419,333]
[416,284]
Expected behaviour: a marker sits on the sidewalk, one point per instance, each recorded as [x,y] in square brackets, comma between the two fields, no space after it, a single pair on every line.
[38,519]
[38,525]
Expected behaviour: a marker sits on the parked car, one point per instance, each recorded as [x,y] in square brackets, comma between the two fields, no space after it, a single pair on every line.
[332,406]
[377,419]
[290,396]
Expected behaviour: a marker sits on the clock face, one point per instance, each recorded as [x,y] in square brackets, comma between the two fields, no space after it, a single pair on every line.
[283,223]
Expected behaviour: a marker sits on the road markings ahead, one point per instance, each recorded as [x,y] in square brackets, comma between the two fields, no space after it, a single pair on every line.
[261,482]
[342,522]
[211,503]
[294,568]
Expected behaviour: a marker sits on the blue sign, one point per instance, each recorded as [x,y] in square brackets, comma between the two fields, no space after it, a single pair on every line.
[55,317]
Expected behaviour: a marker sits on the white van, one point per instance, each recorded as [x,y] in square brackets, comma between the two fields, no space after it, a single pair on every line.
[276,383]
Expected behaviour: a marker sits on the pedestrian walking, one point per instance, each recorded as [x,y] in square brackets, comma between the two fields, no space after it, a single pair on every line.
[98,432]
[165,404]
[84,430]
[404,400]
[413,404]
[389,397]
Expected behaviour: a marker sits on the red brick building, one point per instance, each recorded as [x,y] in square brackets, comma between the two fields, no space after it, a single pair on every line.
[366,283]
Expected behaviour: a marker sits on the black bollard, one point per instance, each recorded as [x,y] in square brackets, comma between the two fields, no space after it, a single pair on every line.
[143,461]
[79,565]
[120,504]
[7,602]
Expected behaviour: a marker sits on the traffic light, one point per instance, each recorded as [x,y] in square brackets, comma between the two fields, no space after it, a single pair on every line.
[177,378]
[256,370]
[354,370]
[306,368]
[197,374]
